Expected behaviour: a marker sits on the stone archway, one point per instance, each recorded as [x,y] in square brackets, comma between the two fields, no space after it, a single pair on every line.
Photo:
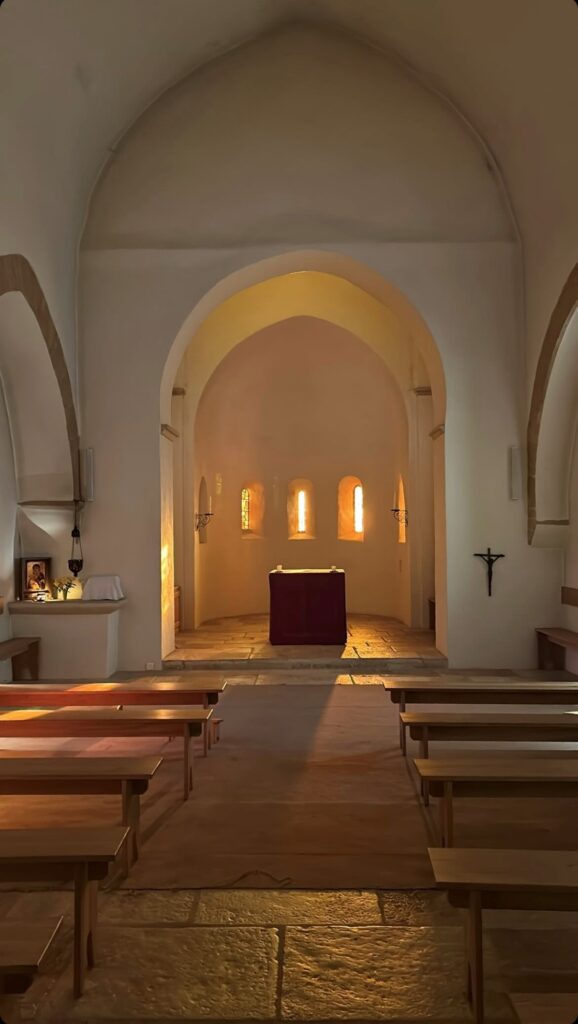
[559,321]
[17,275]
[345,293]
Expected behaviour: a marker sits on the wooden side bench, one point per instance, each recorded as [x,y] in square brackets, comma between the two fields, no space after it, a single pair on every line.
[129,776]
[79,855]
[23,947]
[553,642]
[491,777]
[24,652]
[426,727]
[182,722]
[545,1007]
[420,690]
[502,879]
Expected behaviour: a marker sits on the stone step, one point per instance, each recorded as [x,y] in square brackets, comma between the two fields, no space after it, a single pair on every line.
[360,666]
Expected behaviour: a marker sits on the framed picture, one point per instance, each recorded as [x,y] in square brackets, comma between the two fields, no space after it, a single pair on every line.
[34,579]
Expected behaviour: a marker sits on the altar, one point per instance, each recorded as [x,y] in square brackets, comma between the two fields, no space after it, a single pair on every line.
[307,606]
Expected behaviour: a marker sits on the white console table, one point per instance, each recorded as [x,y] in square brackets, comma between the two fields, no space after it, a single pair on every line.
[78,639]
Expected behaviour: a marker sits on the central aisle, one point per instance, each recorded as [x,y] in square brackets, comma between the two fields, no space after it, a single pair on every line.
[307,789]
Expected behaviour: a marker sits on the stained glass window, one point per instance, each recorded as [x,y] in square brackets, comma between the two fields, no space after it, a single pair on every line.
[245,509]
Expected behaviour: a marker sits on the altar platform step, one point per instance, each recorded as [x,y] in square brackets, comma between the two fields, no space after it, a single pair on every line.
[375,644]
[356,666]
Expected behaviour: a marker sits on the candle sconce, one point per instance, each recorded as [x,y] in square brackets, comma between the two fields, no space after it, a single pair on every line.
[400,514]
[203,519]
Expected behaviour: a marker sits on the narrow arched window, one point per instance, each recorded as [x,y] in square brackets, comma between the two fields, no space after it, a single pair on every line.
[245,509]
[350,509]
[358,508]
[401,523]
[301,512]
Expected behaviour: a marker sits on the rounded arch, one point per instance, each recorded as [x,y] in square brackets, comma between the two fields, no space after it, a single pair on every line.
[329,285]
[17,275]
[560,345]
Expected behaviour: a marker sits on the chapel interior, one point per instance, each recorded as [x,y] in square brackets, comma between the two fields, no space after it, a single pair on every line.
[288,511]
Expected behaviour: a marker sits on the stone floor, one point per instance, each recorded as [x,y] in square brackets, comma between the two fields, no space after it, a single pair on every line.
[245,638]
[286,956]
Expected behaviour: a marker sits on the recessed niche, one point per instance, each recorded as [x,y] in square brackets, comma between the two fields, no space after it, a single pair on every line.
[350,509]
[252,510]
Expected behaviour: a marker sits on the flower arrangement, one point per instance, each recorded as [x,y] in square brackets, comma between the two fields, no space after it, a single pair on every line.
[63,585]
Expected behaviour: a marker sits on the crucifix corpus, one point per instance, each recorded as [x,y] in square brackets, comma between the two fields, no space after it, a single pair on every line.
[489,559]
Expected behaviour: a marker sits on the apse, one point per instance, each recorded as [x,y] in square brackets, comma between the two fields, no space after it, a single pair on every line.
[301,436]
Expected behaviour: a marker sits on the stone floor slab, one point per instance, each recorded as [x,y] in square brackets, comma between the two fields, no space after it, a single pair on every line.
[139,907]
[166,974]
[283,908]
[391,974]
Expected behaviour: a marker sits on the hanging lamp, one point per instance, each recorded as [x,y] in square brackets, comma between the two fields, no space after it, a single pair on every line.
[76,561]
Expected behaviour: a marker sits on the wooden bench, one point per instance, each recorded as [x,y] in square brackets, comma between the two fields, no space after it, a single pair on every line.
[416,690]
[545,1007]
[79,855]
[183,722]
[491,777]
[502,879]
[429,726]
[24,652]
[129,776]
[23,947]
[151,692]
[553,642]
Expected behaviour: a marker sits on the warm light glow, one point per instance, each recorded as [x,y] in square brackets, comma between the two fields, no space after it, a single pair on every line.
[301,512]
[401,527]
[245,509]
[358,509]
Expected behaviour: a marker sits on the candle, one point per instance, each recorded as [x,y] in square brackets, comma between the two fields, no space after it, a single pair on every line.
[210,503]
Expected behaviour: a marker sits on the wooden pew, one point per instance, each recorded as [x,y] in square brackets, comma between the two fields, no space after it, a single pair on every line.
[491,777]
[147,691]
[79,855]
[129,776]
[183,722]
[23,651]
[502,879]
[23,947]
[429,726]
[553,642]
[416,690]
[545,1007]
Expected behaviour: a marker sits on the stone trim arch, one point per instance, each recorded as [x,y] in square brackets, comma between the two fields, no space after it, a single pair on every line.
[563,310]
[17,275]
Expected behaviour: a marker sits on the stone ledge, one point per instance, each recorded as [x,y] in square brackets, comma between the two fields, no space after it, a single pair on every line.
[69,607]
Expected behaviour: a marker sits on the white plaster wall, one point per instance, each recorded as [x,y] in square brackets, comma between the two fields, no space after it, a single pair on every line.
[135,302]
[300,399]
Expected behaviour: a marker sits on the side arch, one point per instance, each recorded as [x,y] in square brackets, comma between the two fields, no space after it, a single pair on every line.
[17,275]
[558,325]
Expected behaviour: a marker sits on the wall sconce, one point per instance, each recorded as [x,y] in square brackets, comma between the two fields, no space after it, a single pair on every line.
[202,519]
[400,514]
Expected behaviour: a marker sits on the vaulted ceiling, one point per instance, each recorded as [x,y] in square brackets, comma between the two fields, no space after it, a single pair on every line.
[75,74]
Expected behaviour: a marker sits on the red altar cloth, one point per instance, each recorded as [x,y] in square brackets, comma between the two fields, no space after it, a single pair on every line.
[307,606]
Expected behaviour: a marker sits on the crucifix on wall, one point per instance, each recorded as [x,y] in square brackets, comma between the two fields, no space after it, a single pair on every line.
[490,559]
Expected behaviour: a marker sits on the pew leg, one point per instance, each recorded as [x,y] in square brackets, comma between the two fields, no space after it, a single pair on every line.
[424,753]
[402,733]
[131,819]
[92,923]
[447,815]
[188,760]
[81,927]
[206,741]
[474,942]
